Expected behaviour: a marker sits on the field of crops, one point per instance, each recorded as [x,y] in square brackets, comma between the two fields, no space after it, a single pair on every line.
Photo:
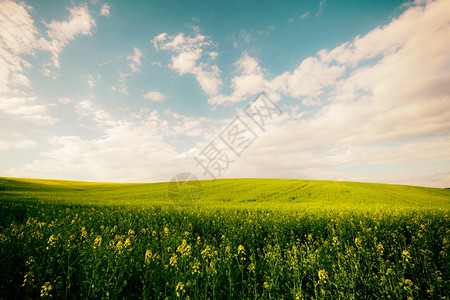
[242,239]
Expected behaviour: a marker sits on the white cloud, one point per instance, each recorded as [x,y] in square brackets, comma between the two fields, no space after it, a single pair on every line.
[305,15]
[92,80]
[60,33]
[135,60]
[87,108]
[25,108]
[246,35]
[387,87]
[189,52]
[135,63]
[17,36]
[250,81]
[16,141]
[213,54]
[154,96]
[64,100]
[105,10]
[321,7]
[130,149]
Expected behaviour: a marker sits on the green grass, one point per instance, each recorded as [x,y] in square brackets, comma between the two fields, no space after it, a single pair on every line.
[234,193]
[241,239]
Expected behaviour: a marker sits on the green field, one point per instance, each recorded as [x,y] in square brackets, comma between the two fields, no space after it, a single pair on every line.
[240,239]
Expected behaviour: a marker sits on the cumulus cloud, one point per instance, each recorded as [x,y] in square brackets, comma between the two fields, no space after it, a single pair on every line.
[130,149]
[92,80]
[377,98]
[188,58]
[154,96]
[25,108]
[18,36]
[105,10]
[250,81]
[16,141]
[80,22]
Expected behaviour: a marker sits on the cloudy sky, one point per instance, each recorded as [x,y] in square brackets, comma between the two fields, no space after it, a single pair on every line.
[140,91]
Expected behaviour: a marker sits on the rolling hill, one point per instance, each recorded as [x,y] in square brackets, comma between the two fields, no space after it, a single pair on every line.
[232,193]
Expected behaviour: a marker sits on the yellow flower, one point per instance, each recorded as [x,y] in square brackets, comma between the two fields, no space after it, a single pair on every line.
[380,248]
[184,249]
[241,249]
[131,232]
[335,241]
[119,246]
[166,230]
[173,260]
[180,288]
[148,256]
[97,241]
[46,288]
[266,285]
[323,275]
[52,240]
[196,267]
[406,255]
[358,242]
[83,232]
[127,243]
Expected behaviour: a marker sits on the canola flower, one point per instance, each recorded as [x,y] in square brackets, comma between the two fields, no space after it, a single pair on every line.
[406,255]
[46,289]
[296,255]
[323,276]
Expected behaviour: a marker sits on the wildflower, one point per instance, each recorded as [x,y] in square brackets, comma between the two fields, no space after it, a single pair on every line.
[380,248]
[196,267]
[119,246]
[173,260]
[180,288]
[97,241]
[184,249]
[205,252]
[406,255]
[335,241]
[148,256]
[131,232]
[127,243]
[241,249]
[52,240]
[266,285]
[46,289]
[323,276]
[358,242]
[166,230]
[83,232]
[408,284]
[3,237]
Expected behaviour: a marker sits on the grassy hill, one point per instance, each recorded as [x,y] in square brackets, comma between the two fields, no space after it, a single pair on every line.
[233,193]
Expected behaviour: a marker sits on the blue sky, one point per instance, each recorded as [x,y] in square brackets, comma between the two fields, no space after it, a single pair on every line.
[137,91]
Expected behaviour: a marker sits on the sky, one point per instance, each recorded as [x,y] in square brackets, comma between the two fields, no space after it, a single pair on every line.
[140,91]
